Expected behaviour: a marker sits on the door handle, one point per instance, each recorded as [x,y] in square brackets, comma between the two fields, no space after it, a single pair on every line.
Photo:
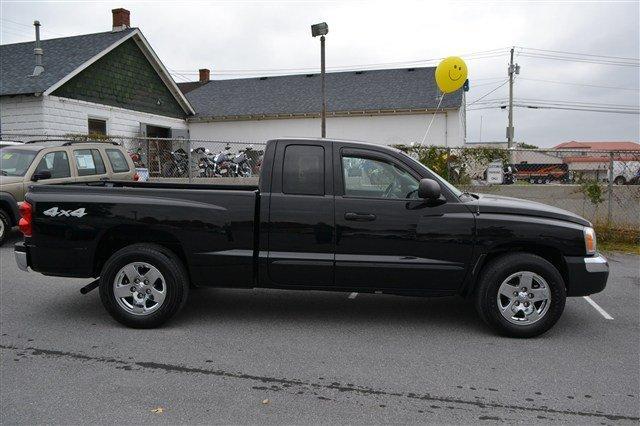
[360,217]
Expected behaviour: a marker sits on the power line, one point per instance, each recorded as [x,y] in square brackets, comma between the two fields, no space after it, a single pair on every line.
[583,60]
[604,110]
[578,54]
[470,56]
[581,84]
[29,26]
[488,93]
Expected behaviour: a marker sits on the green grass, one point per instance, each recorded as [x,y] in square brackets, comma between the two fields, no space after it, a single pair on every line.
[619,247]
[618,239]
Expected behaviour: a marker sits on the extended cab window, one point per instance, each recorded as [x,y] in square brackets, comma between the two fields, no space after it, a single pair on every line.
[365,177]
[89,162]
[57,163]
[117,160]
[303,170]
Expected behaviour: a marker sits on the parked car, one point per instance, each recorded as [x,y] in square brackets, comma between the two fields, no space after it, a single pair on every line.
[327,215]
[4,144]
[21,165]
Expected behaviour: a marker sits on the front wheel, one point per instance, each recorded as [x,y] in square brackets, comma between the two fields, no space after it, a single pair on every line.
[5,226]
[520,295]
[143,285]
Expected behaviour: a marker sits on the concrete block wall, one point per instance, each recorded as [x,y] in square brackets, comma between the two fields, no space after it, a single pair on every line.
[21,114]
[56,116]
[447,129]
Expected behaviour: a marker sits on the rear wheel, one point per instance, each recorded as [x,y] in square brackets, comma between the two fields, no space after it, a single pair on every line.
[5,226]
[143,285]
[620,180]
[520,295]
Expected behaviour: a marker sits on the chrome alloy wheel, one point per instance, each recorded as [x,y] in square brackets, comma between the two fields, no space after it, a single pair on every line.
[140,288]
[524,298]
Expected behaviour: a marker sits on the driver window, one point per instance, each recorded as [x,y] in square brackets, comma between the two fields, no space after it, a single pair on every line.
[364,177]
[55,162]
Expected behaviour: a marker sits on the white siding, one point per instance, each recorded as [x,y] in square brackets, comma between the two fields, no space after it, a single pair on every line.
[21,114]
[447,129]
[53,115]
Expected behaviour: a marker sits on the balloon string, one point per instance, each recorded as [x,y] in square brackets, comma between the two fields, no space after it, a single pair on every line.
[432,118]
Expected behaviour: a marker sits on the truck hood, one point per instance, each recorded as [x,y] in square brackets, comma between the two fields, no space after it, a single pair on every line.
[489,203]
[7,180]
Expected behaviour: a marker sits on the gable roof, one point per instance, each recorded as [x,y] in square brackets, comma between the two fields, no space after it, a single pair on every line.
[65,57]
[374,91]
[600,146]
[190,85]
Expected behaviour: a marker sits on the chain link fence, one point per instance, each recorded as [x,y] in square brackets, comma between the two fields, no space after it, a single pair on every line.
[602,186]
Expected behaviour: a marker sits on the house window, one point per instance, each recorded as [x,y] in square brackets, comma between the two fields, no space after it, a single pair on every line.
[97,126]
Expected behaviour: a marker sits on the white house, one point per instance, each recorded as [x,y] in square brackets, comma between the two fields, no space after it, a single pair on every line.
[392,106]
[104,83]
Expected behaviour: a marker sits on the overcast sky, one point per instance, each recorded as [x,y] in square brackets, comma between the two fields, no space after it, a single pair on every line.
[275,35]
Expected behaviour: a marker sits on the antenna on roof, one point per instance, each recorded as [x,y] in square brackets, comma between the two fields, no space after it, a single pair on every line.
[39,69]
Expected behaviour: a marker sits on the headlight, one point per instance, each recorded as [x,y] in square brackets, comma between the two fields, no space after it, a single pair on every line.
[590,240]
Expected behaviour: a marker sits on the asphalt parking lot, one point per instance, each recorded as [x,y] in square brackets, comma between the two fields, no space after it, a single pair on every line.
[265,356]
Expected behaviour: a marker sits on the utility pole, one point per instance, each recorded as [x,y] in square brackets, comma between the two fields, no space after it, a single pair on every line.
[324,97]
[513,69]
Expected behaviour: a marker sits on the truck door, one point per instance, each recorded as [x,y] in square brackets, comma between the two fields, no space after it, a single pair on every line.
[301,219]
[387,238]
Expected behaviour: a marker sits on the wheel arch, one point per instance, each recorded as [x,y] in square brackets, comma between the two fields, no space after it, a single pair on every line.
[9,204]
[119,237]
[549,253]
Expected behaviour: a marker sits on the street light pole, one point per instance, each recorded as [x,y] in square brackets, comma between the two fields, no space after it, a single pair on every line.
[323,115]
[322,29]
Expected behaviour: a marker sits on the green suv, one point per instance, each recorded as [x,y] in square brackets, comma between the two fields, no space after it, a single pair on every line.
[22,165]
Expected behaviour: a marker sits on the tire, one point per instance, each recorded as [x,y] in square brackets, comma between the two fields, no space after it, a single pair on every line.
[148,260]
[489,298]
[620,180]
[5,226]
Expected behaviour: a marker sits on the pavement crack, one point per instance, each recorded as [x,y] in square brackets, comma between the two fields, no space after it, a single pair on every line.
[362,390]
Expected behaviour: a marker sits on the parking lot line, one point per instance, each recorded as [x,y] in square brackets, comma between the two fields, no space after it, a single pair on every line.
[598,308]
[353,295]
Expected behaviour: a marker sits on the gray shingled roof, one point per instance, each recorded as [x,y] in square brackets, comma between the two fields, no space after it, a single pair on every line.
[391,89]
[61,56]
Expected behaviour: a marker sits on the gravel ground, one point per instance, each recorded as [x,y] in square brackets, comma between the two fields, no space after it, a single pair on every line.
[268,356]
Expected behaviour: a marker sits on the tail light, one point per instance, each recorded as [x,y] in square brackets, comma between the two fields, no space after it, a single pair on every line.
[136,176]
[25,222]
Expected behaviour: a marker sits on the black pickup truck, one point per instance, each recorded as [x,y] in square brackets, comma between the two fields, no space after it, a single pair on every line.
[327,215]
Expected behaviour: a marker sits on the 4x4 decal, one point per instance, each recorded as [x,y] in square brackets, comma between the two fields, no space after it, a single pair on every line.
[57,212]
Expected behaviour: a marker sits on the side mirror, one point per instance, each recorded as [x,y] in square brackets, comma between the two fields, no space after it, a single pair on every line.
[429,189]
[43,174]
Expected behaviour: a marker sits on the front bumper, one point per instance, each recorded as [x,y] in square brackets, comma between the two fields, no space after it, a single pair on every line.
[22,257]
[586,275]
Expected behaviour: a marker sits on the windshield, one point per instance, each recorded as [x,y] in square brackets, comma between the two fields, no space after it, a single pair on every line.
[439,178]
[15,162]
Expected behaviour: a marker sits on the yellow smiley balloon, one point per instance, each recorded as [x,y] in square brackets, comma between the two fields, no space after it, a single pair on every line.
[451,73]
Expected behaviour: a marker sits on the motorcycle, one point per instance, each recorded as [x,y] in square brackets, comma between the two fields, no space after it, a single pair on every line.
[177,165]
[243,163]
[136,157]
[224,166]
[204,160]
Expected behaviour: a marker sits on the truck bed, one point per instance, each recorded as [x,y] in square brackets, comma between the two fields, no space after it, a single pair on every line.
[213,227]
